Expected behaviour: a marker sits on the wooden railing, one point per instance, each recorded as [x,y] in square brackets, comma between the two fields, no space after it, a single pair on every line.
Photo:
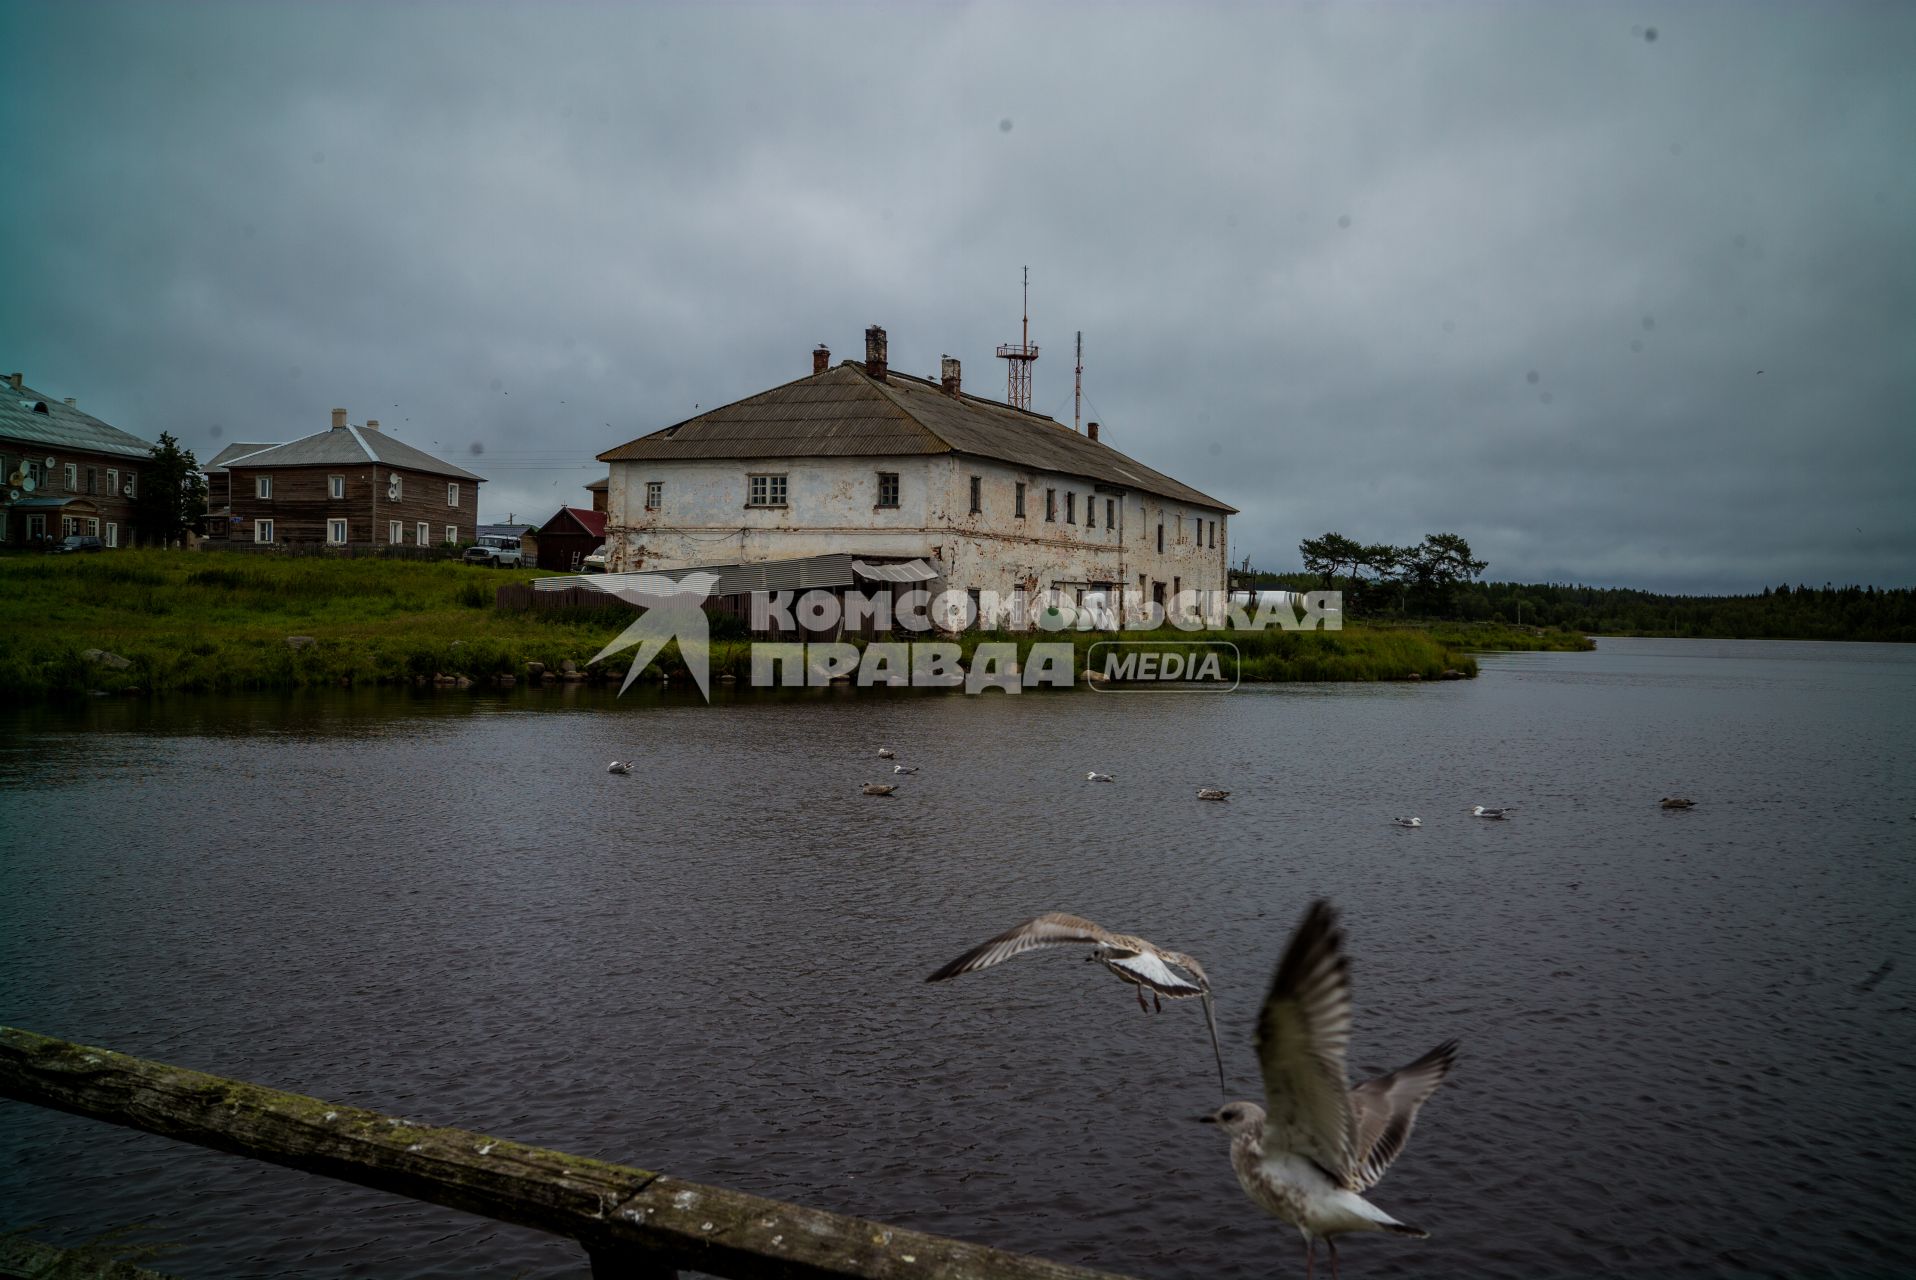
[631,1222]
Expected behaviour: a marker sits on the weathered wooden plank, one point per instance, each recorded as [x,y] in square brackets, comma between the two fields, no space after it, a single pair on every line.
[631,1221]
[24,1259]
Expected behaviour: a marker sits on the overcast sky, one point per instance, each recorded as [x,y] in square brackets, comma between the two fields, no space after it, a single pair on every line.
[1623,293]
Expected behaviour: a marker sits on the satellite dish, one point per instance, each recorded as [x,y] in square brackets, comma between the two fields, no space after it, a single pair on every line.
[13,495]
[52,463]
[17,476]
[392,493]
[27,483]
[127,491]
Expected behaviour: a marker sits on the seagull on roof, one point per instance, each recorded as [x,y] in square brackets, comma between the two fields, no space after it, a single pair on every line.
[1497,814]
[1133,959]
[1318,1142]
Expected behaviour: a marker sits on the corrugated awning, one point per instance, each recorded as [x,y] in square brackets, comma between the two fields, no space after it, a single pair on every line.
[908,571]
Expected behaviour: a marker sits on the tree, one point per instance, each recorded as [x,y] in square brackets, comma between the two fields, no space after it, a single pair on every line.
[1438,566]
[1325,555]
[172,495]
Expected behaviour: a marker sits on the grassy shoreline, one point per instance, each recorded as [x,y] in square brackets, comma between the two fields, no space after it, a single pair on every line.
[207,622]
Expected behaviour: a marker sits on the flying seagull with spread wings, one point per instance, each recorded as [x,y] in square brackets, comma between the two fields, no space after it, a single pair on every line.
[1138,962]
[1318,1142]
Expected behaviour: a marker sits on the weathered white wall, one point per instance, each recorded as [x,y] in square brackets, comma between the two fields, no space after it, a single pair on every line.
[832,508]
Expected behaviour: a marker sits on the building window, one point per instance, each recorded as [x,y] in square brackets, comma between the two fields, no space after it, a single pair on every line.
[452,493]
[262,530]
[1071,508]
[423,532]
[654,494]
[36,526]
[112,534]
[888,488]
[1180,528]
[395,533]
[1160,537]
[263,488]
[452,534]
[132,484]
[1110,513]
[1051,504]
[73,478]
[767,491]
[1018,501]
[335,486]
[977,494]
[1090,513]
[92,481]
[113,482]
[336,532]
[1214,533]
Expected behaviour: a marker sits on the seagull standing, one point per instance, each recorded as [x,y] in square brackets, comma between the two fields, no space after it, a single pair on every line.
[1213,793]
[1095,776]
[1318,1142]
[1498,815]
[1407,822]
[618,766]
[1138,962]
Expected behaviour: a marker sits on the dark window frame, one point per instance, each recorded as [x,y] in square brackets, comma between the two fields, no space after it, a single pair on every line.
[887,479]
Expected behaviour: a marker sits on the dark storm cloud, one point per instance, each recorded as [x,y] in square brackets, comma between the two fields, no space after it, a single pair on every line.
[1316,253]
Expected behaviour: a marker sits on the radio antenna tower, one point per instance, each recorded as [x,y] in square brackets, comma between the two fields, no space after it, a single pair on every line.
[1020,356]
[1077,383]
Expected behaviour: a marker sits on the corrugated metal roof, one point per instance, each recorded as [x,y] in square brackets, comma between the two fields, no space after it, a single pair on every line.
[62,426]
[593,522]
[344,447]
[219,460]
[844,412]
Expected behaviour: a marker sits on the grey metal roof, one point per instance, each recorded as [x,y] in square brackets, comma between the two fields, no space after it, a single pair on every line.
[340,447]
[844,412]
[61,427]
[219,460]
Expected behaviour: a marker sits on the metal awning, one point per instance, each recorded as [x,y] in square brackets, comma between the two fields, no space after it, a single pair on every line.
[828,571]
[42,504]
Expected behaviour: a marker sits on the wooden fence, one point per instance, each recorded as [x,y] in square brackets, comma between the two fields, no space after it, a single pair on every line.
[632,1223]
[521,596]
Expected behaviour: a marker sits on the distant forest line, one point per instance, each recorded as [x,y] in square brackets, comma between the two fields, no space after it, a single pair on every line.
[1776,613]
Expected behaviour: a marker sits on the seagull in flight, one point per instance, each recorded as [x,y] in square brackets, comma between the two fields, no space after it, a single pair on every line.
[1136,961]
[1307,1155]
[1499,815]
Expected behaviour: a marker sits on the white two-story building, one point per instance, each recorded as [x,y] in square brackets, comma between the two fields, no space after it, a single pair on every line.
[863,460]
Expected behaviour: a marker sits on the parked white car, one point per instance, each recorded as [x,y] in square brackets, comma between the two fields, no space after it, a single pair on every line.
[496,550]
[594,563]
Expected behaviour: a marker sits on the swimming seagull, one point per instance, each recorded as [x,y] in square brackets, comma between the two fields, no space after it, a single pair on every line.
[905,768]
[1138,962]
[618,766]
[880,788]
[1407,822]
[1497,814]
[1095,776]
[1212,793]
[1676,802]
[1318,1142]
[886,753]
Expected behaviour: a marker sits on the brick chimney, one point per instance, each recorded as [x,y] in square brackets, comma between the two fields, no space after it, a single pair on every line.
[875,352]
[821,358]
[72,403]
[372,424]
[339,419]
[948,376]
[16,379]
[1091,429]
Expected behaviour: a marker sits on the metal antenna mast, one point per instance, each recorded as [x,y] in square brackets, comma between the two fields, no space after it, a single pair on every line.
[1077,383]
[1020,356]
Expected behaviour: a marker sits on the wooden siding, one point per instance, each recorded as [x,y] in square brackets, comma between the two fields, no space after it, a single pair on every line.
[302,505]
[89,483]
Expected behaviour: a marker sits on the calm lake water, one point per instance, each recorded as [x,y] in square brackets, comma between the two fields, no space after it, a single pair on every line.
[443,907]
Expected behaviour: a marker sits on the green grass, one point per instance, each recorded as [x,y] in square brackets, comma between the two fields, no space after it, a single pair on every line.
[216,622]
